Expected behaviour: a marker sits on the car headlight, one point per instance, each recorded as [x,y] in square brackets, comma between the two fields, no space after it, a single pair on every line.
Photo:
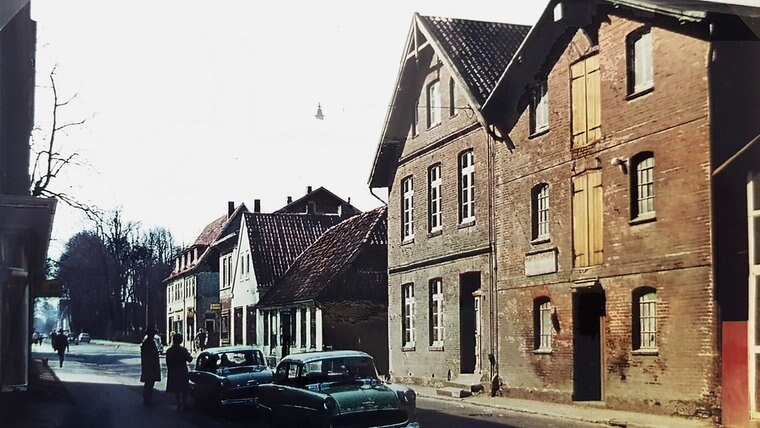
[330,406]
[407,397]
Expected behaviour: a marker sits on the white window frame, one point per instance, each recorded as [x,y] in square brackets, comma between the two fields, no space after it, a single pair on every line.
[648,320]
[434,198]
[753,239]
[407,328]
[436,312]
[643,186]
[434,103]
[466,187]
[539,108]
[545,328]
[407,209]
[641,70]
[540,212]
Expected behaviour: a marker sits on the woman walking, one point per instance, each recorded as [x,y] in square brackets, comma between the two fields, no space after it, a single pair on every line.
[150,365]
[177,357]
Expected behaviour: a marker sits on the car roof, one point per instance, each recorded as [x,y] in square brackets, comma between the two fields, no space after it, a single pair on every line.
[223,349]
[308,357]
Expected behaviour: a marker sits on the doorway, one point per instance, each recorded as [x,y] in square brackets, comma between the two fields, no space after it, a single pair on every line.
[588,310]
[285,337]
[469,321]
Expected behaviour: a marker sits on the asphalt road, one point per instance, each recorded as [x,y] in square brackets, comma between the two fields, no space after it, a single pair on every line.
[103,383]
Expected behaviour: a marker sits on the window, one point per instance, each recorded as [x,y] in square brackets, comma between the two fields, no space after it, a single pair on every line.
[640,72]
[586,103]
[542,324]
[466,187]
[303,328]
[539,108]
[416,120]
[273,328]
[250,325]
[313,329]
[452,97]
[642,185]
[645,319]
[407,314]
[407,209]
[540,211]
[587,219]
[434,104]
[265,319]
[434,198]
[436,312]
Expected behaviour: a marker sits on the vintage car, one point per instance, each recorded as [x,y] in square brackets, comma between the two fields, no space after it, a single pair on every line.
[228,375]
[335,389]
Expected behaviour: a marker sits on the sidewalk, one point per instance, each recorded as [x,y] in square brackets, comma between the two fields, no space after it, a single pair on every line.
[597,415]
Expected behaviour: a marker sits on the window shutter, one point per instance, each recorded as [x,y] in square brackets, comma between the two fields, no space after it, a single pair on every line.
[578,98]
[595,217]
[593,99]
[580,221]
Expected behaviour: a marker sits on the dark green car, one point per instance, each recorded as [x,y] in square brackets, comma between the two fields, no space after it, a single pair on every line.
[335,389]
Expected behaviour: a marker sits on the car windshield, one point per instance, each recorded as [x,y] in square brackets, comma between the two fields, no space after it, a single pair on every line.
[339,369]
[230,360]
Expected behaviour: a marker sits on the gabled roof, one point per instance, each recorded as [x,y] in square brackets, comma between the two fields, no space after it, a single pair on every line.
[325,259]
[277,239]
[474,52]
[321,192]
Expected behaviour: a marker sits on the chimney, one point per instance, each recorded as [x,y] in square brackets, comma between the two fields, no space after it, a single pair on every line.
[308,189]
[290,200]
[230,208]
[257,205]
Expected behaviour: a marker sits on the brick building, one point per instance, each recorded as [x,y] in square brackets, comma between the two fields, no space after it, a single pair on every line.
[433,157]
[609,128]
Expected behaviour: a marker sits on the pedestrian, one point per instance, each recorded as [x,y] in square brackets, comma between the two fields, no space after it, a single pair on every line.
[177,357]
[200,339]
[60,345]
[150,366]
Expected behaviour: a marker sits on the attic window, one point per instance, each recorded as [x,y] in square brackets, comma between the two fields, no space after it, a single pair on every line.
[434,104]
[558,12]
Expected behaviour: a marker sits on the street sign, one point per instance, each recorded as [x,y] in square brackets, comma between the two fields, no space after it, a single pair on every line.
[216,307]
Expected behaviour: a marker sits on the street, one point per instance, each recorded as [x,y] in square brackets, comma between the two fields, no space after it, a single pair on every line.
[102,381]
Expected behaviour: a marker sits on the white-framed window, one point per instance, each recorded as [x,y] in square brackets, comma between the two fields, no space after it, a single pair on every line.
[542,316]
[539,108]
[434,198]
[434,103]
[452,97]
[416,120]
[436,312]
[466,187]
[407,209]
[640,70]
[540,211]
[642,186]
[407,314]
[645,319]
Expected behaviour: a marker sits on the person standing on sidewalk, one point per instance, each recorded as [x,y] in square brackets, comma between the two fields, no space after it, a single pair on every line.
[177,357]
[200,340]
[150,366]
[60,345]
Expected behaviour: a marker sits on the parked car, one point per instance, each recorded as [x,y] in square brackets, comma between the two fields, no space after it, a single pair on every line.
[73,338]
[335,388]
[84,338]
[228,375]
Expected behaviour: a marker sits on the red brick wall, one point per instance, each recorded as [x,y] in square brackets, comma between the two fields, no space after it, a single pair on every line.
[671,254]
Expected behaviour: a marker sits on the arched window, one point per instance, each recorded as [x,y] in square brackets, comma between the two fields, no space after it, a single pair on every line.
[644,322]
[639,52]
[542,324]
[539,197]
[434,104]
[642,185]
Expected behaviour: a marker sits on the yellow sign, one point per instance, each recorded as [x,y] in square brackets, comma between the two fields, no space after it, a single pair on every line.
[216,307]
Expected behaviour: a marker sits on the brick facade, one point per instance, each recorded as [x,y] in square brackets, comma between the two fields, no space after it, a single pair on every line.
[670,254]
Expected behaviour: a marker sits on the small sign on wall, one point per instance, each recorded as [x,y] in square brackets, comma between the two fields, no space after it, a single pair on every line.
[541,263]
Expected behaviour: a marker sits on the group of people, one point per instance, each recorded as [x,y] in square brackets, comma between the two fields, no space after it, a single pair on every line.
[177,357]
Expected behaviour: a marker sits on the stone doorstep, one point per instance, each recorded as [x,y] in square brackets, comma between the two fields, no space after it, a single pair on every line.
[453,392]
[467,382]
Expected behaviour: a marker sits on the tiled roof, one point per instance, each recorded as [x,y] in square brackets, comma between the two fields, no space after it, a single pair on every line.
[479,50]
[277,239]
[326,258]
[211,232]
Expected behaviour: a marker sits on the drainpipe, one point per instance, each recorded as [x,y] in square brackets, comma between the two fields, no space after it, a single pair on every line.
[493,304]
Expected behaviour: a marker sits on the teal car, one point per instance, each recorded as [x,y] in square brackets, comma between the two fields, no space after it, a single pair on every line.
[335,389]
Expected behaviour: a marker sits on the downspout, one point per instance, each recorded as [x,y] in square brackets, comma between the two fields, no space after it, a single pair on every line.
[493,313]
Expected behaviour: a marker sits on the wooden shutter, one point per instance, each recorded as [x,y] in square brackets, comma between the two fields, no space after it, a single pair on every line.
[595,217]
[580,222]
[578,100]
[593,99]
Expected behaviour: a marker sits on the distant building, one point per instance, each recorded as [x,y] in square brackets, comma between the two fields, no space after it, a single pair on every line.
[319,201]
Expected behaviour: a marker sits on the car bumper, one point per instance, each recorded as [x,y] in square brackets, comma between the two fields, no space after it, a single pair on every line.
[240,401]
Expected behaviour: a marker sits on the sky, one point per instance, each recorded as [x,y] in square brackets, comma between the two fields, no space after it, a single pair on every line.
[191,104]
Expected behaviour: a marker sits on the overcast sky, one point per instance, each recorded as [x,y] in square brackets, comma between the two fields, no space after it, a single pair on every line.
[191,104]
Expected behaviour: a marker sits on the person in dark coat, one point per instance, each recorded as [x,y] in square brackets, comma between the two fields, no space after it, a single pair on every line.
[177,357]
[150,366]
[60,345]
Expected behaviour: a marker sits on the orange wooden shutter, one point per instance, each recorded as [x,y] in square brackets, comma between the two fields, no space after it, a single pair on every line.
[593,99]
[580,222]
[595,217]
[578,100]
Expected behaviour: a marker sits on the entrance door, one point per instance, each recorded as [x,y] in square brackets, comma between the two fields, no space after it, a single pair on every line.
[588,310]
[469,322]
